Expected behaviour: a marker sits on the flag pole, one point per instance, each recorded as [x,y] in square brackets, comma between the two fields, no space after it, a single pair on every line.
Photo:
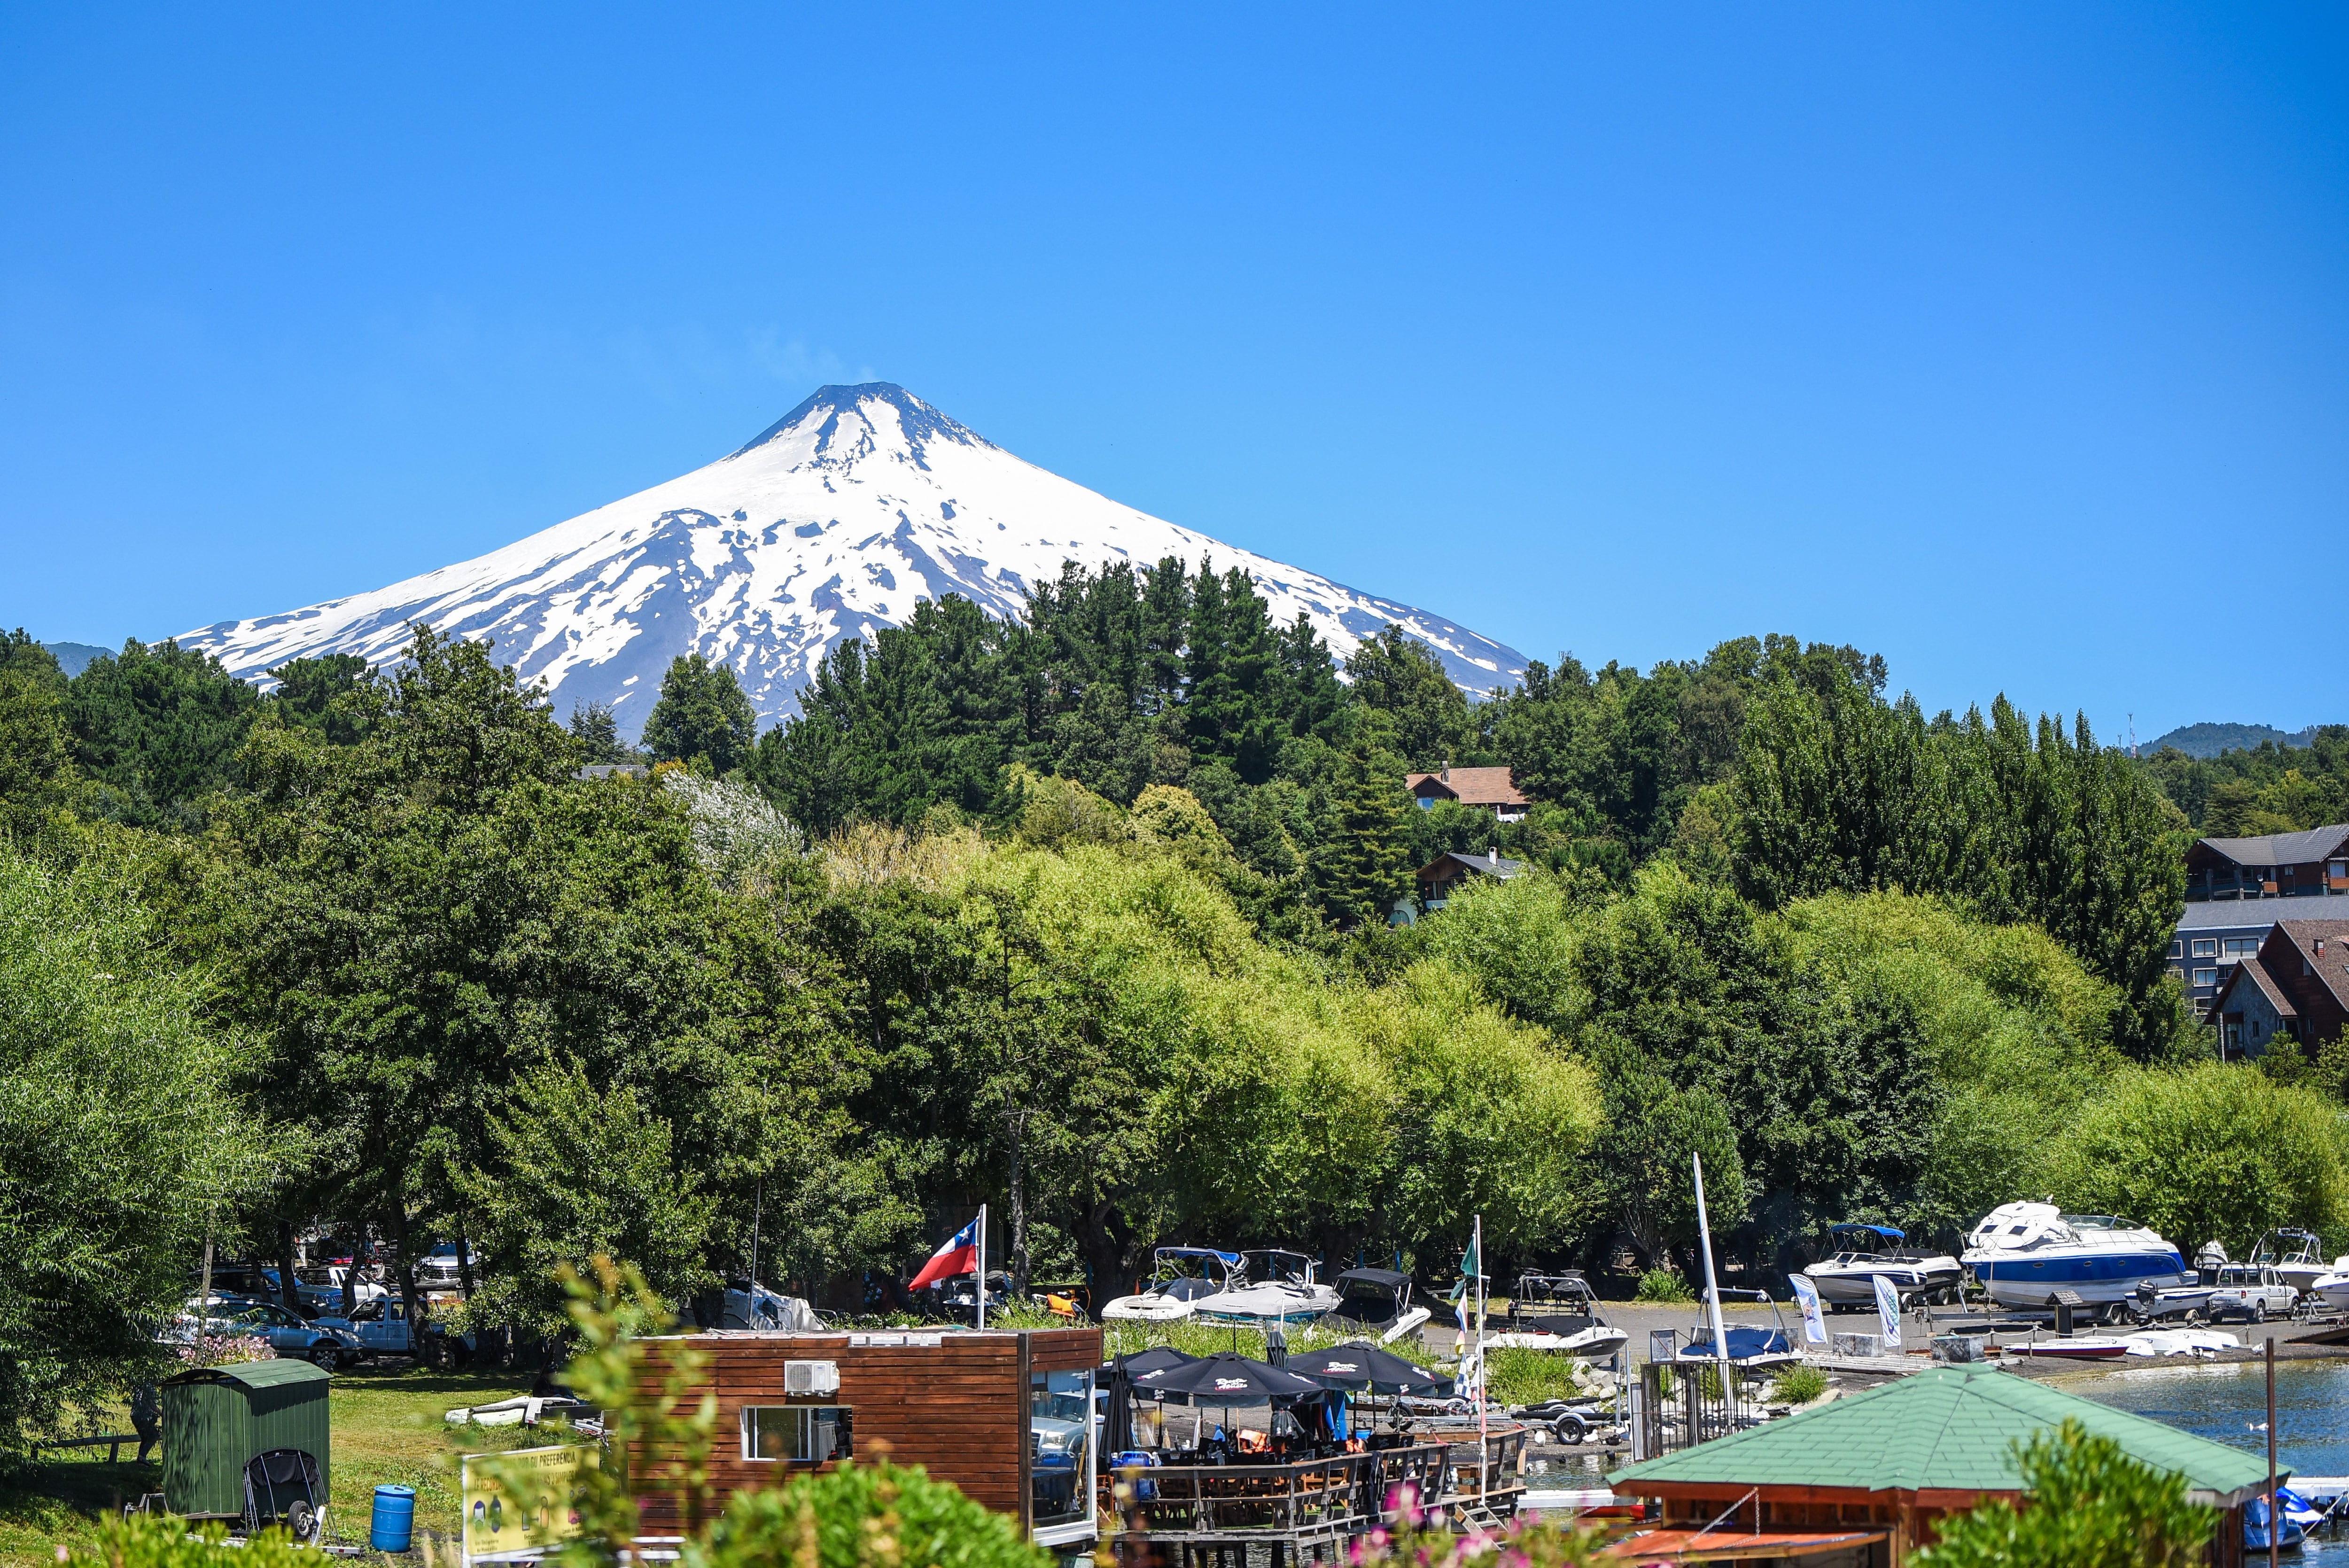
[980,1322]
[1481,1453]
[1712,1289]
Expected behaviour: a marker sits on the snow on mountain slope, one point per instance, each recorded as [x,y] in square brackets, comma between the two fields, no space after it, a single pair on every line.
[830,524]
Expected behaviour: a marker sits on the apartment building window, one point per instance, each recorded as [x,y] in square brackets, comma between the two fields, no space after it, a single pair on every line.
[2206,977]
[2239,947]
[2206,947]
[2178,948]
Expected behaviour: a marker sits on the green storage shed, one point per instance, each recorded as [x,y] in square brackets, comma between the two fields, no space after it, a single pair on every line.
[218,1419]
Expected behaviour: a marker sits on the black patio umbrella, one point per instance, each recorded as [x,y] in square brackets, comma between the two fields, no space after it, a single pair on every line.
[1119,1435]
[1226,1378]
[1358,1363]
[1153,1359]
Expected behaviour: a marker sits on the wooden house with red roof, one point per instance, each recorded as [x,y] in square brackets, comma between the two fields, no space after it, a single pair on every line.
[1494,790]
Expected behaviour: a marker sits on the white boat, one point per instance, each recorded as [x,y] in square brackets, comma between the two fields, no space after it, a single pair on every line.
[1865,1253]
[2025,1253]
[1270,1286]
[2295,1256]
[2178,1342]
[1182,1278]
[2333,1289]
[2080,1347]
[1558,1312]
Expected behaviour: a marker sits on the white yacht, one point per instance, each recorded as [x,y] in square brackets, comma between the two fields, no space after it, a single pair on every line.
[1863,1254]
[2025,1253]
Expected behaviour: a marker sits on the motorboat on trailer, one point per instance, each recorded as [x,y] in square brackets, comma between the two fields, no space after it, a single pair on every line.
[1375,1302]
[1181,1278]
[2025,1253]
[1863,1255]
[1271,1286]
[1558,1312]
[2296,1255]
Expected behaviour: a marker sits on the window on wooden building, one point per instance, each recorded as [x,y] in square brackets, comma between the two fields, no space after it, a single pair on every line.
[805,1434]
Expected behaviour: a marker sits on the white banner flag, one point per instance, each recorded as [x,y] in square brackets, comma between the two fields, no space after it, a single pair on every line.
[1807,1296]
[1888,1312]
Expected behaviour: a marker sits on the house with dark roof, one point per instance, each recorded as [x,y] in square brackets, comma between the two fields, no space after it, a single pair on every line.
[1447,871]
[1492,788]
[2276,865]
[2234,889]
[1867,1479]
[2295,987]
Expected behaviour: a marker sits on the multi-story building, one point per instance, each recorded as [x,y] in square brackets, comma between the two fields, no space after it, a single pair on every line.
[2236,890]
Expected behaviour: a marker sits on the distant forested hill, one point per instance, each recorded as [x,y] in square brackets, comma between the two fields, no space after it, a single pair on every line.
[2208,741]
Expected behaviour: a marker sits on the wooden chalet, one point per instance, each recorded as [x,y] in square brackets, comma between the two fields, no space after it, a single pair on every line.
[1866,1480]
[968,1407]
[1492,788]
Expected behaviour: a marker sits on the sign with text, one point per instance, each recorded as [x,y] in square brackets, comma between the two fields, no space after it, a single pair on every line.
[519,1504]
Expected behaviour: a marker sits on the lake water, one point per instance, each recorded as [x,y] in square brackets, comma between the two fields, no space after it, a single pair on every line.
[2225,1403]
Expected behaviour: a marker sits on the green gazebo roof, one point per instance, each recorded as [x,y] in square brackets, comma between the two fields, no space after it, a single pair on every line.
[1952,1428]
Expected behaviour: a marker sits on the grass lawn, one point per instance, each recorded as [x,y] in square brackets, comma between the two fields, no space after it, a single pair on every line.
[387,1427]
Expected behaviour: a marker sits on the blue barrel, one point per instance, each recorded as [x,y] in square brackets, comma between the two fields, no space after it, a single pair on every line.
[394,1518]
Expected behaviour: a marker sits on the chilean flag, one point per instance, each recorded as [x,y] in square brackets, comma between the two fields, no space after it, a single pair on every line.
[959,1255]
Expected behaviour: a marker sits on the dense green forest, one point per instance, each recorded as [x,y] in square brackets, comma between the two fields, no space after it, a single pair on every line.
[1083,915]
[2270,788]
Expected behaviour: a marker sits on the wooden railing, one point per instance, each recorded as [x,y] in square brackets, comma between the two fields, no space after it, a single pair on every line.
[1302,1499]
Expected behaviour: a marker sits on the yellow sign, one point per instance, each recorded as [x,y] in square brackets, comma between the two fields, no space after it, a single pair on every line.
[504,1521]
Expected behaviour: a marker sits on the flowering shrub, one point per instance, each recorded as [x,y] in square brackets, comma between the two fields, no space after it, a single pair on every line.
[1419,1538]
[225,1349]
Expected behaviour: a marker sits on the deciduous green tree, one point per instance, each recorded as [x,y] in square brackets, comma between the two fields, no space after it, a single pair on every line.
[121,1144]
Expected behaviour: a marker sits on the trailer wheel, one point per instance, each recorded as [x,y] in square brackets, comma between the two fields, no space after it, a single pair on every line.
[1570,1429]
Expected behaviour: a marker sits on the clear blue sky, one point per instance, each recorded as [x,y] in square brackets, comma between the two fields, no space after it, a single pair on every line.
[2011,343]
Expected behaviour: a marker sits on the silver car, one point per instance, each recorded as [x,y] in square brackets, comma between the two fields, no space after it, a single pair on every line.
[286,1333]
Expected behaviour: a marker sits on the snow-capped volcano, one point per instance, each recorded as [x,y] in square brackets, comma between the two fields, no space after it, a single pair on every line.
[833,523]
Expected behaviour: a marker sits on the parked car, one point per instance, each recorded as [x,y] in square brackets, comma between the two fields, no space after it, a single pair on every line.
[323,1293]
[288,1333]
[437,1270]
[2252,1292]
[381,1328]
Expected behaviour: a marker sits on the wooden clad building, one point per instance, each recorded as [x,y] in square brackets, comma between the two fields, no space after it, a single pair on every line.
[1004,1415]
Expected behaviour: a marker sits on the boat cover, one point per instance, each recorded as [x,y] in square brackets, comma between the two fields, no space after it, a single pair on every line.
[1743,1343]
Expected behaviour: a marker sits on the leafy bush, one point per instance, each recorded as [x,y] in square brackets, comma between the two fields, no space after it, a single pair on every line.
[1664,1284]
[160,1541]
[863,1514]
[2089,1505]
[1517,1375]
[1797,1385]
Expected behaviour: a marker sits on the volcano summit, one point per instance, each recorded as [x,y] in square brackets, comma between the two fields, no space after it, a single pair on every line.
[830,524]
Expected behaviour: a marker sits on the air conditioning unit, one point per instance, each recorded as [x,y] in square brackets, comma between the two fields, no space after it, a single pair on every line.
[811,1377]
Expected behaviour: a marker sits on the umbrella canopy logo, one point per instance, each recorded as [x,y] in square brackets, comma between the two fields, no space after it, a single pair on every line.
[1221,1383]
